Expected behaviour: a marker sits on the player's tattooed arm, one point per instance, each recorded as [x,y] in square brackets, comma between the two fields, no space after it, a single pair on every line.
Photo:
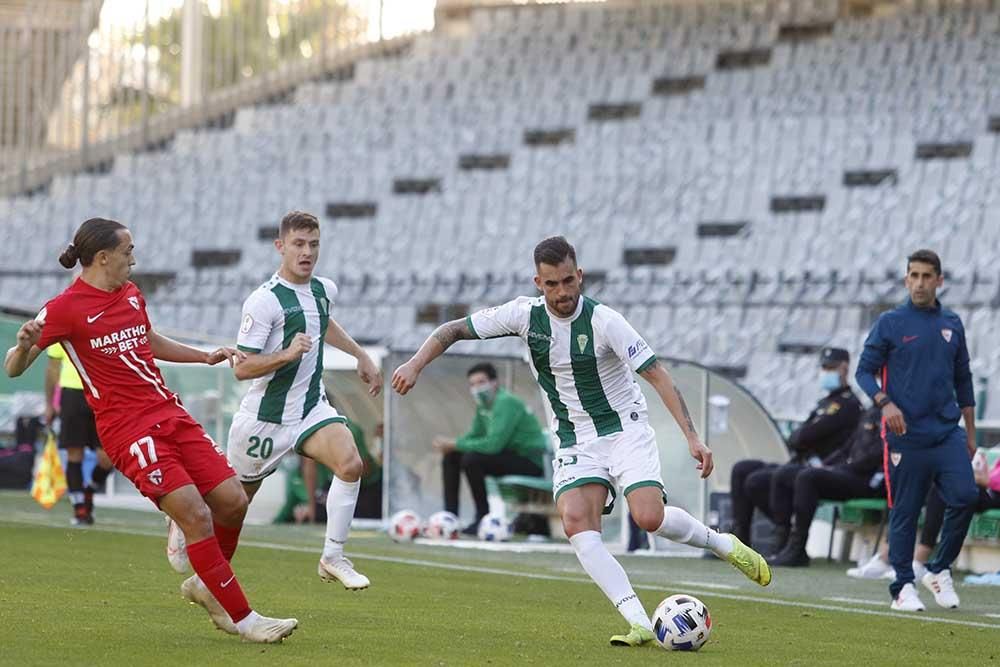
[671,396]
[451,332]
[687,413]
[440,340]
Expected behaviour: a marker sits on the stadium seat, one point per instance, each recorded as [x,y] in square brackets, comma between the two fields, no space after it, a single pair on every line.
[861,97]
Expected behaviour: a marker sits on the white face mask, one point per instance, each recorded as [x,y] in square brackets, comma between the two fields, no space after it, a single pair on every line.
[483,393]
[829,380]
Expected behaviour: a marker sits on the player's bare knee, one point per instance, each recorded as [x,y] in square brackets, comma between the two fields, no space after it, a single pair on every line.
[234,511]
[196,522]
[576,520]
[648,518]
[351,469]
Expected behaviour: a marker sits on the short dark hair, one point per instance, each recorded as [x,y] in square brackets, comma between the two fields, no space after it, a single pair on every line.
[553,251]
[297,220]
[484,367]
[925,256]
[92,237]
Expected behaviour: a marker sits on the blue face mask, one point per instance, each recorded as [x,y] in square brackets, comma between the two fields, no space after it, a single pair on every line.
[829,380]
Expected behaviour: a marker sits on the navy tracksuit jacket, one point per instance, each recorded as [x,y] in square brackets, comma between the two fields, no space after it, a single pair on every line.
[921,357]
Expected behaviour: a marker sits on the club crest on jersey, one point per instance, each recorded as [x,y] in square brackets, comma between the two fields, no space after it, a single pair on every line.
[134,300]
[582,341]
[896,457]
[247,324]
[156,477]
[946,334]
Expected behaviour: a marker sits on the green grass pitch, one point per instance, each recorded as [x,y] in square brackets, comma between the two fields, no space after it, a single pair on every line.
[106,596]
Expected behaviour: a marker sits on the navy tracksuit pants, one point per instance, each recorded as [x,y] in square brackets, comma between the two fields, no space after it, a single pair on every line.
[910,475]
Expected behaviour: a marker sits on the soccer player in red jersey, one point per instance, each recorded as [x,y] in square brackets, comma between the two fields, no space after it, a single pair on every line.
[101,322]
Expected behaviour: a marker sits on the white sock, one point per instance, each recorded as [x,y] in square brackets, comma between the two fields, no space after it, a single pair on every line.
[680,526]
[340,502]
[244,624]
[608,574]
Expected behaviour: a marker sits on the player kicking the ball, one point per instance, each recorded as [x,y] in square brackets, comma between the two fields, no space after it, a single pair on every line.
[583,355]
[285,322]
[101,322]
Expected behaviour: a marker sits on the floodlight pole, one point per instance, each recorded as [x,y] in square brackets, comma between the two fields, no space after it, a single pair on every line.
[192,28]
[145,77]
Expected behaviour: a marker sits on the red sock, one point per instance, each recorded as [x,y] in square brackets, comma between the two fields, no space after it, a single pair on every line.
[207,560]
[228,539]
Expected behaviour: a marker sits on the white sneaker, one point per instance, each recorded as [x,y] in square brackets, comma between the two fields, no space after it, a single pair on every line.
[873,568]
[907,600]
[941,586]
[196,592]
[919,570]
[342,570]
[177,548]
[263,630]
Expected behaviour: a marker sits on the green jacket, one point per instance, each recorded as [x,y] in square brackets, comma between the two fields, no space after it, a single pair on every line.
[507,425]
[373,471]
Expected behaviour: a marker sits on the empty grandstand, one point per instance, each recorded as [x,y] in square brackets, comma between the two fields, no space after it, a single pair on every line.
[742,179]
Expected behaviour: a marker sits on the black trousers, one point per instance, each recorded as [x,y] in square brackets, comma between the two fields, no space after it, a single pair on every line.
[780,492]
[750,489]
[477,467]
[934,513]
[369,502]
[798,495]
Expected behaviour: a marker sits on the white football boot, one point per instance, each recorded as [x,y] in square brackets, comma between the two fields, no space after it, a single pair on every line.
[177,553]
[263,630]
[196,592]
[942,587]
[907,600]
[342,570]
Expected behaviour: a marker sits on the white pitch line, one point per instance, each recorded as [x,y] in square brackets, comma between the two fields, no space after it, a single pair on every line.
[709,584]
[874,603]
[992,615]
[581,580]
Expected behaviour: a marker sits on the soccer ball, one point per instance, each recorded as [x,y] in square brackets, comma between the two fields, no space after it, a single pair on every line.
[404,526]
[494,528]
[682,623]
[442,526]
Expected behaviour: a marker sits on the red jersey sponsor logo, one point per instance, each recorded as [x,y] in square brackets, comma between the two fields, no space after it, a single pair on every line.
[107,338]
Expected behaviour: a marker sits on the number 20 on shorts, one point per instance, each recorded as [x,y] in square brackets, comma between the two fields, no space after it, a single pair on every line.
[260,448]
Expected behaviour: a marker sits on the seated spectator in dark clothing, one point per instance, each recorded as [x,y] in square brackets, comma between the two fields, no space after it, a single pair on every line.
[307,484]
[826,428]
[505,439]
[853,471]
[369,504]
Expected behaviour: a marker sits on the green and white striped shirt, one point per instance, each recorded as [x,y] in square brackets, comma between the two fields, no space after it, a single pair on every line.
[272,315]
[583,363]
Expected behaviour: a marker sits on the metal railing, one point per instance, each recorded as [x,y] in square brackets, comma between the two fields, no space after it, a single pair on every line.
[83,79]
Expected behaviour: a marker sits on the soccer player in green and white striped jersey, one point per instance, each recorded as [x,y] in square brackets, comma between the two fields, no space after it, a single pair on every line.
[285,324]
[583,355]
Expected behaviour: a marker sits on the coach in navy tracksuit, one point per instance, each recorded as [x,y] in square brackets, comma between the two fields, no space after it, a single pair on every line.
[918,352]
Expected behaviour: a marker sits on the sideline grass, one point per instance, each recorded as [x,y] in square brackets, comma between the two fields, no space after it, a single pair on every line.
[71,596]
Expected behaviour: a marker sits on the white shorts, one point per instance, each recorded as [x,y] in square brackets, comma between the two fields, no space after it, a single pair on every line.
[255,448]
[628,460]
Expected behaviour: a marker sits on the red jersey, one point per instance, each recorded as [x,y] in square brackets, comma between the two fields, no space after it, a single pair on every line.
[106,337]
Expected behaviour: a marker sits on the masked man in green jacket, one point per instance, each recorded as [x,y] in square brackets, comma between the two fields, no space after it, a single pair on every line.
[505,439]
